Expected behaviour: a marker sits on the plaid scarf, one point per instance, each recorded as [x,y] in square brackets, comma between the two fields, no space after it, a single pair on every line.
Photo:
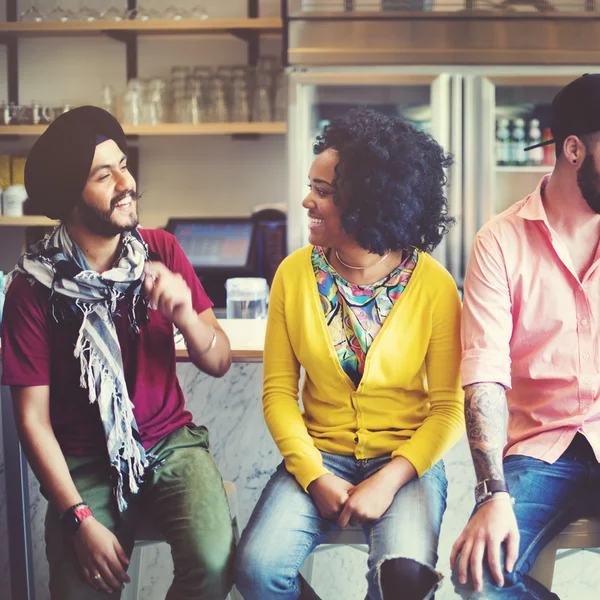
[76,290]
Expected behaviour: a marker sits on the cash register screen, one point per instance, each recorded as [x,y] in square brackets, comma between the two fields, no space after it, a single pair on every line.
[215,244]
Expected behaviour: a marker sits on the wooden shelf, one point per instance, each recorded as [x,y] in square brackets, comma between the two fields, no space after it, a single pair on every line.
[278,128]
[150,27]
[174,129]
[534,169]
[27,221]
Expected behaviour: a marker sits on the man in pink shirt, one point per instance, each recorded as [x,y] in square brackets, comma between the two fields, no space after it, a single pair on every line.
[531,342]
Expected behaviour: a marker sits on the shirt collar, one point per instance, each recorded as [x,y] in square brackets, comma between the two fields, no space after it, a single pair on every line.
[533,207]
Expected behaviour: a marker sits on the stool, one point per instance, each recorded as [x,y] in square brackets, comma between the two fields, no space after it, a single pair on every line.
[146,535]
[350,536]
[581,534]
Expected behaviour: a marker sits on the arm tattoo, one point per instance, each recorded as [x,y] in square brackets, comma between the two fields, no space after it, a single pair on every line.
[485,405]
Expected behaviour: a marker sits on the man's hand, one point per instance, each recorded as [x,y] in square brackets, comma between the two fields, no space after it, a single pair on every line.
[169,294]
[330,494]
[493,524]
[102,559]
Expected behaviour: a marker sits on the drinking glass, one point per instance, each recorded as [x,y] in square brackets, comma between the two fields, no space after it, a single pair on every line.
[112,13]
[240,106]
[196,100]
[268,64]
[174,13]
[218,104]
[153,107]
[5,114]
[87,12]
[180,72]
[280,100]
[60,14]
[247,298]
[198,12]
[147,12]
[132,102]
[44,114]
[8,114]
[261,104]
[108,99]
[32,14]
[19,114]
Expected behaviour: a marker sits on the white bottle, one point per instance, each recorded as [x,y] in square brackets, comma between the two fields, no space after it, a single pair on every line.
[12,200]
[534,136]
[518,143]
[502,143]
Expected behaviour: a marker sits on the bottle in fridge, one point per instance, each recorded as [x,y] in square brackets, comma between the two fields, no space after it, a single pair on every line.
[502,142]
[534,136]
[519,156]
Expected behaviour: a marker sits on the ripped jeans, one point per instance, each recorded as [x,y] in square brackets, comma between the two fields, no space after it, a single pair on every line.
[285,527]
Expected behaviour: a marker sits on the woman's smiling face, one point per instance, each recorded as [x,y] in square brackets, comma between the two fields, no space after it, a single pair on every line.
[324,215]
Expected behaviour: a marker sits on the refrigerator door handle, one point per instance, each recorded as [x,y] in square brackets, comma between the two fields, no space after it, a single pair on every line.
[440,128]
[455,195]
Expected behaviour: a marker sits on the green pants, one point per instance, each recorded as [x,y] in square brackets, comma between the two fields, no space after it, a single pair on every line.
[184,497]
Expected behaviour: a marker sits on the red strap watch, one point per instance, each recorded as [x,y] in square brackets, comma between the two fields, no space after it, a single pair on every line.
[72,518]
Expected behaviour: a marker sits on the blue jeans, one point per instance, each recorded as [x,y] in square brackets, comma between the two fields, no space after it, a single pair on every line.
[286,527]
[548,498]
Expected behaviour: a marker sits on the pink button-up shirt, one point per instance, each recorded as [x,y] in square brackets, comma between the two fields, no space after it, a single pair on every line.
[530,324]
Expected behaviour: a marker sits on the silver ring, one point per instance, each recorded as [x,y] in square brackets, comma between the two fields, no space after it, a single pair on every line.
[97,577]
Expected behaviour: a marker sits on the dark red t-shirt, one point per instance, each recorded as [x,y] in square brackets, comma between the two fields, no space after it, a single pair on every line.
[38,351]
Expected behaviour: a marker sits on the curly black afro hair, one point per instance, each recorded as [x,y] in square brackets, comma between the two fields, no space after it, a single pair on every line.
[389,180]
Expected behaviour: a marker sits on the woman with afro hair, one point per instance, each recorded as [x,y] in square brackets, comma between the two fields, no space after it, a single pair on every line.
[374,322]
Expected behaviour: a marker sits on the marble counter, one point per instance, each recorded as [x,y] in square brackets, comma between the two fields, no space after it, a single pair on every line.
[245,453]
[231,409]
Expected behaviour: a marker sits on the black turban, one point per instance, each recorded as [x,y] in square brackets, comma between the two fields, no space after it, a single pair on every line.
[59,163]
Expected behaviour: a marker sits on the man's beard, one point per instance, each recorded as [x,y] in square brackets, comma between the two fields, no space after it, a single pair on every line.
[101,223]
[588,180]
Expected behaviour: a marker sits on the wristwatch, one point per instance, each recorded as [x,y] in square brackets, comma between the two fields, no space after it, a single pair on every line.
[72,518]
[485,489]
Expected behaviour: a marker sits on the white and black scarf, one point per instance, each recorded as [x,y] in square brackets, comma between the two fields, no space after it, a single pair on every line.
[76,290]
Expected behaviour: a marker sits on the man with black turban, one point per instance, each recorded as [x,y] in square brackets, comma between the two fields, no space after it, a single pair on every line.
[89,354]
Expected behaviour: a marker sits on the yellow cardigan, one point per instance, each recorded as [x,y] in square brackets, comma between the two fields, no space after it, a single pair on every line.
[409,401]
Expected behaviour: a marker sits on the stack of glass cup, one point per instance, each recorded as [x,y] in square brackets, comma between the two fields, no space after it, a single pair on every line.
[105,10]
[145,102]
[196,95]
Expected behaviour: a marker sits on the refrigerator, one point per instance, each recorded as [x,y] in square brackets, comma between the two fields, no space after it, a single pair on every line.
[427,96]
[483,116]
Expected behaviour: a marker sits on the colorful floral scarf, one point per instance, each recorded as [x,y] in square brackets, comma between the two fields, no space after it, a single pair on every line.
[355,313]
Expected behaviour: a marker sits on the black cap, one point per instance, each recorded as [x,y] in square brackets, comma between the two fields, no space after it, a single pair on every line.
[59,163]
[575,110]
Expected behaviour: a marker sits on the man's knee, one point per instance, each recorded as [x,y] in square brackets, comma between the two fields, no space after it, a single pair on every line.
[205,569]
[515,587]
[212,558]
